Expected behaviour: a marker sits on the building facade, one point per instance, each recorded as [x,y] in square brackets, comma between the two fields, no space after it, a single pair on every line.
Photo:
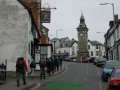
[15,33]
[113,40]
[96,49]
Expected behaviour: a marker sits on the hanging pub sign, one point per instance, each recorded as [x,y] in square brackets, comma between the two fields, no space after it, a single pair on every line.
[45,16]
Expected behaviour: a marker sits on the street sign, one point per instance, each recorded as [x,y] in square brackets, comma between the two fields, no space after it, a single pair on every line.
[45,16]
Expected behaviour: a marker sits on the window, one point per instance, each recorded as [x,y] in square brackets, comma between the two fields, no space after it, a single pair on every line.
[97,53]
[73,53]
[91,53]
[73,48]
[88,46]
[96,46]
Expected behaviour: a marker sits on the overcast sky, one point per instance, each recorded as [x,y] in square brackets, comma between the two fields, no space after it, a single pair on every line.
[68,12]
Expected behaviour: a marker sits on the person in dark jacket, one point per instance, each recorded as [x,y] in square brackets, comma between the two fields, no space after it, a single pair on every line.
[52,65]
[60,61]
[42,64]
[21,68]
[32,67]
[57,63]
[48,62]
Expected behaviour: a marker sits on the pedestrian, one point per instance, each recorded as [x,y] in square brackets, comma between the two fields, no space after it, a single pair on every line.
[52,65]
[57,63]
[32,67]
[21,68]
[48,63]
[60,61]
[42,64]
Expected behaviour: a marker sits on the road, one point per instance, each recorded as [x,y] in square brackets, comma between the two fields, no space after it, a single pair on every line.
[85,74]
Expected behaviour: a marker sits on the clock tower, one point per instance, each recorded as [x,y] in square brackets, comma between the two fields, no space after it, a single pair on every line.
[82,31]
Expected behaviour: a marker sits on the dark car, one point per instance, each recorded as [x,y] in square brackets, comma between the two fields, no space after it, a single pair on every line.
[114,80]
[95,60]
[89,60]
[108,67]
[101,62]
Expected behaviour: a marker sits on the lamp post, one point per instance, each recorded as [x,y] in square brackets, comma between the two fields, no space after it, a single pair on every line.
[112,8]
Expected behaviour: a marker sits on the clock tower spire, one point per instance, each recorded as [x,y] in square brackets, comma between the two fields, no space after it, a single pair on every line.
[82,31]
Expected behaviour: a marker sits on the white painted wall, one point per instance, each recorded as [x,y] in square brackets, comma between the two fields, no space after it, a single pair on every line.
[75,45]
[14,29]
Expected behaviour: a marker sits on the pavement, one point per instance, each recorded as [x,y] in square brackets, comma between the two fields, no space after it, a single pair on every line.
[32,83]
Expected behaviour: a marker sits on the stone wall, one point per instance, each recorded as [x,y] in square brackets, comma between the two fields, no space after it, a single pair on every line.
[14,22]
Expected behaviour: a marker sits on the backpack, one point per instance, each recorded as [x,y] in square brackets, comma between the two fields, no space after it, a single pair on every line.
[33,64]
[19,63]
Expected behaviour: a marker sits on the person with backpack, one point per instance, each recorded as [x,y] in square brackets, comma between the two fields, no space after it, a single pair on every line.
[48,63]
[32,67]
[21,68]
[42,64]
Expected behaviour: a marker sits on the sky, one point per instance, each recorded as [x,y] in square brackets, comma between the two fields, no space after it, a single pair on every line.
[66,18]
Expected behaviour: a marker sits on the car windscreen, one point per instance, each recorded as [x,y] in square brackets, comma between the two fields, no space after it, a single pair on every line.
[117,73]
[111,64]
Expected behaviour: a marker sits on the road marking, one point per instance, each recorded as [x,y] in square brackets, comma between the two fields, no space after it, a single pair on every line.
[35,87]
[100,83]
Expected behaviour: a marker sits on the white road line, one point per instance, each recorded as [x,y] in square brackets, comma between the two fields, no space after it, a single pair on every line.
[100,83]
[33,88]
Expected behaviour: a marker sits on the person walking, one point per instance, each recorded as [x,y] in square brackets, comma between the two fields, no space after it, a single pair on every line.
[48,62]
[57,63]
[42,64]
[52,64]
[21,68]
[60,61]
[32,67]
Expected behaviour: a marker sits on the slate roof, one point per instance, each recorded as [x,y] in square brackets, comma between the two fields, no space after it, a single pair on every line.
[95,42]
[62,40]
[68,43]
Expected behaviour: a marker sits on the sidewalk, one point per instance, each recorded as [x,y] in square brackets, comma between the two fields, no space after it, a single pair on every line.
[11,82]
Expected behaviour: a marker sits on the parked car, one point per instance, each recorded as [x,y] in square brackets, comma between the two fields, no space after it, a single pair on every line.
[96,60]
[108,67]
[101,62]
[89,60]
[68,59]
[114,80]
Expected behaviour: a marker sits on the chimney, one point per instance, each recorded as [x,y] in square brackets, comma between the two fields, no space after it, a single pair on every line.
[116,17]
[73,39]
[111,24]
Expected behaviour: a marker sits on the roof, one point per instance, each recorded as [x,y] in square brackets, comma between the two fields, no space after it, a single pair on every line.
[62,40]
[68,43]
[95,42]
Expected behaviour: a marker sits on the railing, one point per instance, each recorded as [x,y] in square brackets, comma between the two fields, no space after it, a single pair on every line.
[3,70]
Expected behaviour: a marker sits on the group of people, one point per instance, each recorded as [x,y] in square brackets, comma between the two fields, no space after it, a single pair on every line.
[49,65]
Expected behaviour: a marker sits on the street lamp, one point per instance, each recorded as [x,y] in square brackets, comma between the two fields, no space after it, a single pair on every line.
[57,32]
[112,7]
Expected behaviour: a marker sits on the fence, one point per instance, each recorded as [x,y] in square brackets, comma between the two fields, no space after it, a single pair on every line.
[3,70]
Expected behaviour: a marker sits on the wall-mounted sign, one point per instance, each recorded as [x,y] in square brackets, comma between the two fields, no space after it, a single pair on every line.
[45,16]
